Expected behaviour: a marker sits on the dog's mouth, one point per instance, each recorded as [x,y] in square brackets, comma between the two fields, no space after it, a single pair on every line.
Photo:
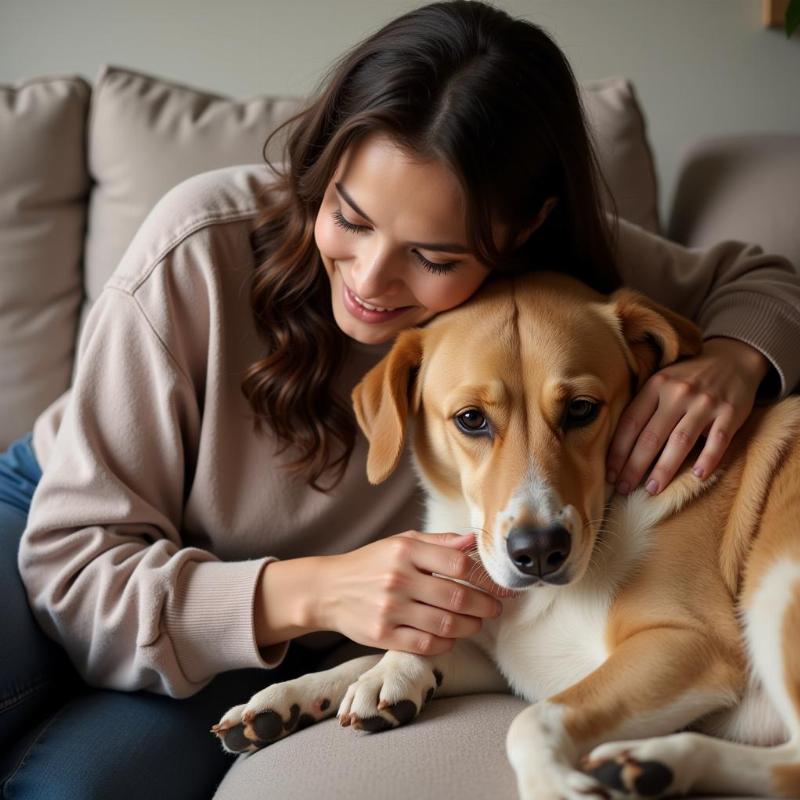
[480,577]
[560,578]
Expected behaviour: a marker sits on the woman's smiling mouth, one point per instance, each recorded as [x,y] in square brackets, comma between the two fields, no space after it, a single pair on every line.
[365,312]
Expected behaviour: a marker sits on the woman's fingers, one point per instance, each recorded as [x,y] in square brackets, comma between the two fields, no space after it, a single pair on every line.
[442,553]
[678,445]
[455,597]
[630,426]
[654,434]
[719,436]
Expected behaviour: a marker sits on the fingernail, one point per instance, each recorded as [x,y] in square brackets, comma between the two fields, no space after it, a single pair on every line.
[652,487]
[611,476]
[698,472]
[623,488]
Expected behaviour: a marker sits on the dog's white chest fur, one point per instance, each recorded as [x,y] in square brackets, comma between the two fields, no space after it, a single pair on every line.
[543,647]
[549,638]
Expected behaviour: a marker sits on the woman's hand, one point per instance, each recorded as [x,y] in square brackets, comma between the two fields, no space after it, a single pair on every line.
[384,595]
[710,395]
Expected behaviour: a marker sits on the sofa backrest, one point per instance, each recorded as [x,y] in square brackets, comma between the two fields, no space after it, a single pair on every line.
[81,166]
[744,187]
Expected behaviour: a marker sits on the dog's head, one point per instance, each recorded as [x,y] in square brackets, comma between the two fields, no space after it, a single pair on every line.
[515,396]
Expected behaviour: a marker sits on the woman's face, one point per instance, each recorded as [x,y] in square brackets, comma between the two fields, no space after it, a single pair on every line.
[392,231]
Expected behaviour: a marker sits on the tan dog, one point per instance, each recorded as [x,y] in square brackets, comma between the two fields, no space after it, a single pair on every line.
[638,616]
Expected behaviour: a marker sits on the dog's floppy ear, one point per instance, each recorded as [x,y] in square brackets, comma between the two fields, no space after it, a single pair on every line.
[654,334]
[381,400]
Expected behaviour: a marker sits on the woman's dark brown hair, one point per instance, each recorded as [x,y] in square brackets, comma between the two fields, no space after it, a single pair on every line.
[492,97]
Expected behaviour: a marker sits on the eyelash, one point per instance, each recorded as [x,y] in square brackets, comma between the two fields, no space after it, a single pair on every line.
[339,219]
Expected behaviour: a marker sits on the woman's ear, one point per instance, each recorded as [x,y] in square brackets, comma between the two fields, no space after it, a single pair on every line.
[381,403]
[541,216]
[654,335]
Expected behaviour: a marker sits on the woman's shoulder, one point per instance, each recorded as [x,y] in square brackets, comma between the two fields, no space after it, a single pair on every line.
[202,204]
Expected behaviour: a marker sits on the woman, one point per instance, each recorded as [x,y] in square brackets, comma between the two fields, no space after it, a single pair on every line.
[212,396]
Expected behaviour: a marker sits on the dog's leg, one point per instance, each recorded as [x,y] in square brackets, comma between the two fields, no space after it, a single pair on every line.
[714,766]
[395,690]
[649,685]
[286,707]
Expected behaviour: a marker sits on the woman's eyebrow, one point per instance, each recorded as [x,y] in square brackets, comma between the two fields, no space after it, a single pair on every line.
[446,247]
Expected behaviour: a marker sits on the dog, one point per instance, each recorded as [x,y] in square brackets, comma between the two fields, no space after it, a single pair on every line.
[657,638]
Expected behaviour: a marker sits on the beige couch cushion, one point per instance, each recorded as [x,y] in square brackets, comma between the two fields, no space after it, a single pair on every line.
[744,187]
[44,185]
[620,136]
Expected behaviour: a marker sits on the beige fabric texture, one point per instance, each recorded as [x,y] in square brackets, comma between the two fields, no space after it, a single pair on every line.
[744,187]
[619,134]
[455,749]
[44,185]
[159,506]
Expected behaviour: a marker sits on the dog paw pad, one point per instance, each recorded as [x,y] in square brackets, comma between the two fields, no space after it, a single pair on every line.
[268,726]
[236,740]
[626,774]
[403,711]
[373,724]
[322,705]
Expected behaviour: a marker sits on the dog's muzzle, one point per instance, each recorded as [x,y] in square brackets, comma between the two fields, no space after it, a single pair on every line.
[540,552]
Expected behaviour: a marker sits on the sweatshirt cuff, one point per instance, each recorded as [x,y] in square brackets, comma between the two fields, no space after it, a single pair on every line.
[768,326]
[210,619]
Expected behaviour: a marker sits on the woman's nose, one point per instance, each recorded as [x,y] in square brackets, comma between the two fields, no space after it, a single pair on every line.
[375,274]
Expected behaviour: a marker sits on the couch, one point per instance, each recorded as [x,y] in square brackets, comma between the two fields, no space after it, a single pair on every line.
[81,164]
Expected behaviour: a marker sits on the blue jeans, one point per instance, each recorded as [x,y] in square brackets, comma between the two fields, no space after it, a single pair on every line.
[59,737]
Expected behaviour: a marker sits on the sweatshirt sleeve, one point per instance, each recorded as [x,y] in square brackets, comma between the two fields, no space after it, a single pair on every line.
[101,556]
[731,289]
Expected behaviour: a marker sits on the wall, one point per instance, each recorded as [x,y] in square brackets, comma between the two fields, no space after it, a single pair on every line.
[701,67]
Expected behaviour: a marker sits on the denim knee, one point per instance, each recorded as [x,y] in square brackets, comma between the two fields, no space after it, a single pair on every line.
[34,670]
[20,474]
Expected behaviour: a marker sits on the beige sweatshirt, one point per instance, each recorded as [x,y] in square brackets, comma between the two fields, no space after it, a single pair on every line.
[159,506]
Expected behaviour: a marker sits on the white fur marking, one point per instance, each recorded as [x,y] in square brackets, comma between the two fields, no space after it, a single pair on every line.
[763,628]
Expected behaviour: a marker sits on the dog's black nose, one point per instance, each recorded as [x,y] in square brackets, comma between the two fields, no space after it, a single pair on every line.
[539,551]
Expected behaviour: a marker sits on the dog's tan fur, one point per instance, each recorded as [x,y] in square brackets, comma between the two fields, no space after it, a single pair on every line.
[517,352]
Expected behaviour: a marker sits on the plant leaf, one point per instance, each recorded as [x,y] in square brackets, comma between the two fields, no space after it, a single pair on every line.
[792,19]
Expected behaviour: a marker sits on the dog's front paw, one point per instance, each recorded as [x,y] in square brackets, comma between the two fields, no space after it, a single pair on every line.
[651,767]
[273,713]
[390,694]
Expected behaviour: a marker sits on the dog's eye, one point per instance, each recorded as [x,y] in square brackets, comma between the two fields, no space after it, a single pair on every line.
[580,411]
[472,421]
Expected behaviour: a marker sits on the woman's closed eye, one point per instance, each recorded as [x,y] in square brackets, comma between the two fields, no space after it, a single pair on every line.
[433,266]
[339,219]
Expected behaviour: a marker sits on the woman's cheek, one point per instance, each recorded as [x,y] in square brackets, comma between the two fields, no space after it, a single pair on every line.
[330,239]
[452,291]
